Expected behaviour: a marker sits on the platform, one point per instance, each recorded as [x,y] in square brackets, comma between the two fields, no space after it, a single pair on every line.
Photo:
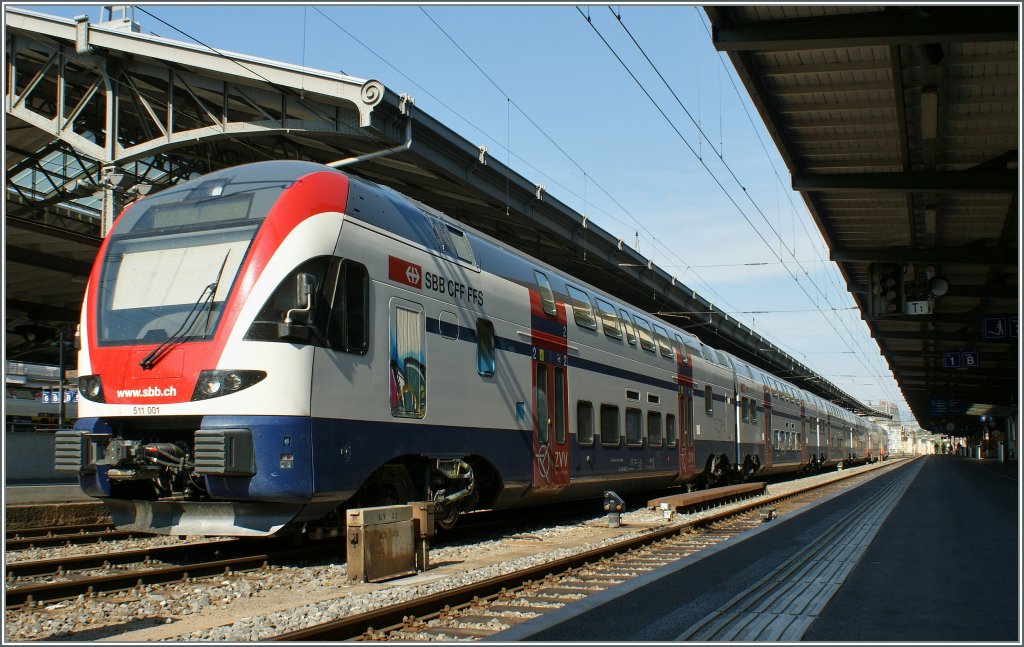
[687,500]
[927,552]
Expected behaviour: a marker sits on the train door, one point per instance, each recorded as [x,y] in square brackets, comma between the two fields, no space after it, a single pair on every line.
[550,438]
[817,437]
[802,438]
[686,449]
[769,452]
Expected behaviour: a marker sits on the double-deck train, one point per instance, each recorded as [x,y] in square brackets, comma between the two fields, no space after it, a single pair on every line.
[267,345]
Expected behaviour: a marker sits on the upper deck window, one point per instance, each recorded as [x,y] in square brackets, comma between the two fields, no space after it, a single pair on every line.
[644,330]
[547,297]
[454,241]
[627,324]
[661,335]
[582,311]
[609,322]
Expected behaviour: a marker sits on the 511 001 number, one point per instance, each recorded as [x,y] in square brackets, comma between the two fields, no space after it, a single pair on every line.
[145,411]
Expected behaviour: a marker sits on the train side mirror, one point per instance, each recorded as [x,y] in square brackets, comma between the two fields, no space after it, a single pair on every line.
[295,327]
[305,283]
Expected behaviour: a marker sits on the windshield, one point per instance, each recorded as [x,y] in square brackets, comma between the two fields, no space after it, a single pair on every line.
[171,252]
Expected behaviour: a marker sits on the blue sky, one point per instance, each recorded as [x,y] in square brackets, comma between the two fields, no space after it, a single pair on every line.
[544,93]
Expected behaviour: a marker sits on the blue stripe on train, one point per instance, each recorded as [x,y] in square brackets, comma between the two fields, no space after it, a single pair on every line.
[330,458]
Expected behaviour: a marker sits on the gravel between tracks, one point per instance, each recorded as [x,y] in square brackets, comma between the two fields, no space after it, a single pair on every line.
[257,605]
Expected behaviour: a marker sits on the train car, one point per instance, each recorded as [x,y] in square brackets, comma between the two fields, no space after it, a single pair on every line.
[28,409]
[266,345]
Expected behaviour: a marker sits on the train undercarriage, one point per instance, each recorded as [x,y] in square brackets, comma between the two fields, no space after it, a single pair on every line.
[160,481]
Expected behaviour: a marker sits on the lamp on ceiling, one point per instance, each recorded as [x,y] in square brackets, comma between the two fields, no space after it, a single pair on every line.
[929,112]
[938,286]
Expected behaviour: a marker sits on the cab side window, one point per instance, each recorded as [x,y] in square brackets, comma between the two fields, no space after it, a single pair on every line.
[349,327]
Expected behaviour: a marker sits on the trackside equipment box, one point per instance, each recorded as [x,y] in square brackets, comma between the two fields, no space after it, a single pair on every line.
[381,543]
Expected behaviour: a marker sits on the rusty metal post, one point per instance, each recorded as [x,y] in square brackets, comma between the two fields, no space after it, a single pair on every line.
[423,518]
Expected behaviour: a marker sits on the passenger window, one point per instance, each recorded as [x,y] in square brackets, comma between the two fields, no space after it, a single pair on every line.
[609,424]
[627,325]
[448,324]
[694,349]
[609,322]
[681,348]
[653,429]
[484,347]
[644,330]
[709,401]
[460,244]
[753,411]
[349,327]
[670,430]
[745,408]
[663,344]
[547,297]
[582,311]
[584,423]
[634,428]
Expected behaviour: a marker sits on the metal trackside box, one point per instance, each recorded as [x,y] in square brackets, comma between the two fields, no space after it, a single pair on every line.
[379,515]
[381,543]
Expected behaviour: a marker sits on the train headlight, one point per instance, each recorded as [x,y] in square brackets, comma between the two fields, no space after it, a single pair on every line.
[213,384]
[90,388]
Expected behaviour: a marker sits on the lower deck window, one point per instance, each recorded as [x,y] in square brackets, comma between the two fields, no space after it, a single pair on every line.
[634,427]
[584,423]
[653,429]
[609,424]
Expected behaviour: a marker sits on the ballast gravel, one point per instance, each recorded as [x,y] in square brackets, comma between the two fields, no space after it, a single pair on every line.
[260,604]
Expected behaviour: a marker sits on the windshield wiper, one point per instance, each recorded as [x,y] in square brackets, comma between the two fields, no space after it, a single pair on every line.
[205,300]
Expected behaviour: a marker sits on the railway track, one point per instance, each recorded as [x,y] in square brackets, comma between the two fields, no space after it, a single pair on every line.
[69,577]
[50,536]
[61,578]
[481,609]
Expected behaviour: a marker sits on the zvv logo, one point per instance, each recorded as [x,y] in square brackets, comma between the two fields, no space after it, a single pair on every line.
[405,272]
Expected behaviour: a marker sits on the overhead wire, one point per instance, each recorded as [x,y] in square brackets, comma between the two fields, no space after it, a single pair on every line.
[510,100]
[702,162]
[814,244]
[493,139]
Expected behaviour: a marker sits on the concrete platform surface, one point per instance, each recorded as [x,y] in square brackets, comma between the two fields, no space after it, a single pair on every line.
[927,552]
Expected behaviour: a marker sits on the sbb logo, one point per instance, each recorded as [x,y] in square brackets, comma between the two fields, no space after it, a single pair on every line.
[405,272]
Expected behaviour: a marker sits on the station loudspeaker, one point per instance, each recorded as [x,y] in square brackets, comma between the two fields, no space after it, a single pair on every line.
[887,294]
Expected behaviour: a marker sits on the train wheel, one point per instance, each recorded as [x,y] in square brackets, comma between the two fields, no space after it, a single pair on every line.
[750,466]
[447,522]
[716,471]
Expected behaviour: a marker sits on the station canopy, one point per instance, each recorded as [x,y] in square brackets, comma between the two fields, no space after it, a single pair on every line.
[900,127]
